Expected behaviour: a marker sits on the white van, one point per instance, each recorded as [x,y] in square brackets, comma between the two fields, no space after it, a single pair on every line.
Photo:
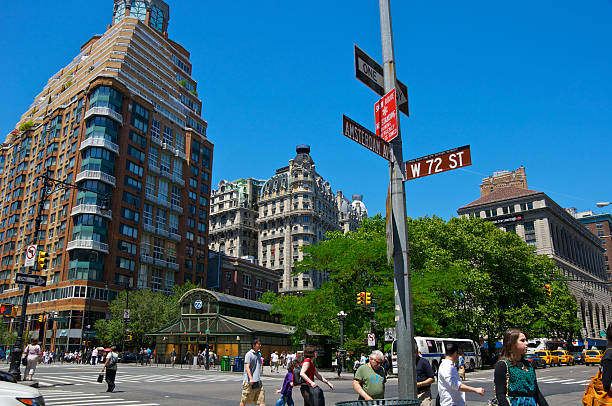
[432,349]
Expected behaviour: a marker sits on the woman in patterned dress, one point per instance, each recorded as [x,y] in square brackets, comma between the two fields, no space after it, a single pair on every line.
[514,377]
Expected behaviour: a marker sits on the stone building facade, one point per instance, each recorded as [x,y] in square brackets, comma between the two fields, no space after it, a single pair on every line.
[601,226]
[553,232]
[233,215]
[295,207]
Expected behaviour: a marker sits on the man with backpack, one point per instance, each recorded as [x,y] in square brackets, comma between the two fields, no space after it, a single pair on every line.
[112,358]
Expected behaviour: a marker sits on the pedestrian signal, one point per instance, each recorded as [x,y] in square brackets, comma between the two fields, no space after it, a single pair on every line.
[547,289]
[42,260]
[361,298]
[368,298]
[6,310]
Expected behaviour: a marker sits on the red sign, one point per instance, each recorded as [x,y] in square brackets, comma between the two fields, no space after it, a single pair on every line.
[385,113]
[440,162]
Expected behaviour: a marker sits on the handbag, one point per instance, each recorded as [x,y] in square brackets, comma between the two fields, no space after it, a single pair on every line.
[595,394]
[494,401]
[24,361]
[100,378]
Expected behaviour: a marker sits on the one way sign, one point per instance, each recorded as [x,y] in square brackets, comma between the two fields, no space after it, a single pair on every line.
[32,280]
[371,74]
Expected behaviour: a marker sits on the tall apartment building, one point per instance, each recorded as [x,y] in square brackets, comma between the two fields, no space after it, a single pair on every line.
[553,232]
[601,226]
[233,215]
[293,208]
[123,121]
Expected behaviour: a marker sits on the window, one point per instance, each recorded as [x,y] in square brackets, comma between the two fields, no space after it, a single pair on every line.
[128,231]
[599,225]
[140,115]
[527,206]
[168,136]
[157,18]
[155,128]
[530,237]
[127,247]
[173,223]
[228,276]
[125,263]
[139,139]
[156,280]
[136,153]
[135,169]
[119,13]
[129,214]
[193,183]
[133,183]
[131,199]
[138,10]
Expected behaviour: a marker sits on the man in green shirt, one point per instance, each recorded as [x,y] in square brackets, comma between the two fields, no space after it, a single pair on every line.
[369,380]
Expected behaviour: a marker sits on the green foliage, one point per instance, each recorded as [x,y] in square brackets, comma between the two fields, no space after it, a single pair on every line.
[194,92]
[469,279]
[149,311]
[26,126]
[183,82]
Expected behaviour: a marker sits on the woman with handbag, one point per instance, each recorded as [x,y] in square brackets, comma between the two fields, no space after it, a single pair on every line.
[32,355]
[311,392]
[514,377]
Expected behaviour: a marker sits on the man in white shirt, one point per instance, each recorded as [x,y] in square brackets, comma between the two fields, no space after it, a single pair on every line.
[273,362]
[450,388]
[94,356]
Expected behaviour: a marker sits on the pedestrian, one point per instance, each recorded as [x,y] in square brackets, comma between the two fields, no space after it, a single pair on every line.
[32,355]
[8,355]
[356,366]
[112,358]
[309,389]
[172,357]
[273,362]
[424,377]
[362,359]
[287,388]
[606,363]
[461,366]
[281,359]
[339,361]
[94,356]
[369,381]
[252,388]
[451,390]
[514,376]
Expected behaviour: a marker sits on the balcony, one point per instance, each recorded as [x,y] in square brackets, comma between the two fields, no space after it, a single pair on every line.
[178,179]
[87,245]
[174,236]
[176,208]
[156,140]
[91,209]
[157,200]
[160,262]
[173,266]
[149,228]
[99,142]
[154,168]
[146,259]
[96,175]
[104,111]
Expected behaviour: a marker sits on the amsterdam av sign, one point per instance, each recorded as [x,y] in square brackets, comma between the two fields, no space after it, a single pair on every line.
[441,162]
[365,137]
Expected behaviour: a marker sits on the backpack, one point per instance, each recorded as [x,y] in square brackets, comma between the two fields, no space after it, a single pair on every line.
[297,378]
[112,361]
[595,394]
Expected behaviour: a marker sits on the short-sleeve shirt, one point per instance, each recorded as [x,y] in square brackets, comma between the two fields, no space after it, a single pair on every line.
[33,351]
[423,370]
[372,381]
[112,355]
[255,364]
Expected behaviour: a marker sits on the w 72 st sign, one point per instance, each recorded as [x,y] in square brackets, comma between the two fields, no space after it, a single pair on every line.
[440,162]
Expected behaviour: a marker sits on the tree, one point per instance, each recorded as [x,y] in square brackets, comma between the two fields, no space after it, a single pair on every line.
[469,279]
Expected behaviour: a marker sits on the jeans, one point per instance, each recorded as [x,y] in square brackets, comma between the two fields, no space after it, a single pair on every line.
[284,400]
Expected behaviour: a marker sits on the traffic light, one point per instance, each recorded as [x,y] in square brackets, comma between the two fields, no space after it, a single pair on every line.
[42,260]
[128,337]
[6,310]
[14,312]
[368,298]
[361,298]
[547,289]
[40,318]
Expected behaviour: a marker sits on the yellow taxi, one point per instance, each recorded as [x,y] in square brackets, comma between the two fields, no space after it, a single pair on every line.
[592,357]
[548,356]
[564,357]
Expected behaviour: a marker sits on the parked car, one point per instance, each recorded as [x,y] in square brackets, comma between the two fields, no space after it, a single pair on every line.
[126,357]
[564,357]
[537,362]
[6,377]
[592,357]
[14,394]
[578,357]
[548,357]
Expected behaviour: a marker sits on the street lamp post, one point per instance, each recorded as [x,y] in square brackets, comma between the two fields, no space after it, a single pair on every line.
[126,320]
[206,353]
[341,317]
[603,204]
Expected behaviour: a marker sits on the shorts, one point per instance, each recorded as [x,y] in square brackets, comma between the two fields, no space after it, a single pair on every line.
[250,395]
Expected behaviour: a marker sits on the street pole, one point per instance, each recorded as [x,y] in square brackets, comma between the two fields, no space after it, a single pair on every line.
[398,235]
[341,316]
[15,368]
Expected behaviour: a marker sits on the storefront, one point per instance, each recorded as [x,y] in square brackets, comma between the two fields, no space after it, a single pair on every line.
[227,323]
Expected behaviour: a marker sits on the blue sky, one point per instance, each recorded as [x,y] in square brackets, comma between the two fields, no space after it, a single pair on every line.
[526,83]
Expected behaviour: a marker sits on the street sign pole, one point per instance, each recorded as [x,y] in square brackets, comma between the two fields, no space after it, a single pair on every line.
[398,234]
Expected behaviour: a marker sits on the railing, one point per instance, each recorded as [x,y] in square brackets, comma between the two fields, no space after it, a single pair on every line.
[178,179]
[173,265]
[99,142]
[87,244]
[91,209]
[174,236]
[176,208]
[146,259]
[96,175]
[104,111]
[154,168]
[156,140]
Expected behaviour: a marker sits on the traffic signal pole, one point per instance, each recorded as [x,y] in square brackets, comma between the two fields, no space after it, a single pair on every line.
[15,368]
[397,236]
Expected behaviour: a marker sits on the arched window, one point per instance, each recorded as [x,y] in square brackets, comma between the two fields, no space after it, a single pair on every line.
[119,13]
[138,10]
[157,18]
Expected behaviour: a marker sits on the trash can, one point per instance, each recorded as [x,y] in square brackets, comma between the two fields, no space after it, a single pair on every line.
[225,363]
[238,364]
[381,402]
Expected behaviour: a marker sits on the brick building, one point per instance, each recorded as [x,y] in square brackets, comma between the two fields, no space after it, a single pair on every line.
[122,120]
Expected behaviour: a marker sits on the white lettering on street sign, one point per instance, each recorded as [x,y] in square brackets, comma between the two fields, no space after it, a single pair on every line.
[440,162]
[365,137]
[385,114]
[29,279]
[30,255]
[371,73]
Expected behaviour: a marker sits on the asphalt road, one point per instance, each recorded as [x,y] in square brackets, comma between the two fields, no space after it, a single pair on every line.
[148,386]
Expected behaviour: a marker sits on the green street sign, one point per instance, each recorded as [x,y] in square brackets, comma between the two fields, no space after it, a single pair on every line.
[602,333]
